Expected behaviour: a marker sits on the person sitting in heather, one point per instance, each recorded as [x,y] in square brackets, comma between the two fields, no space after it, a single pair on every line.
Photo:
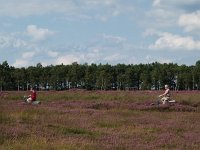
[32,97]
[166,95]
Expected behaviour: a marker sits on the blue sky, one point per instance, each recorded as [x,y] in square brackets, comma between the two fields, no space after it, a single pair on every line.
[99,31]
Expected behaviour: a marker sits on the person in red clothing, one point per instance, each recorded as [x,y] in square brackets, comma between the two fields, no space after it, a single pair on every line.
[32,96]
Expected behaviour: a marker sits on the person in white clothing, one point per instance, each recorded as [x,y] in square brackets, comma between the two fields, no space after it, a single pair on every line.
[166,95]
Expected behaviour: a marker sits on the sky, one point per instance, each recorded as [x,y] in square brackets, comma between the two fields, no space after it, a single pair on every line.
[53,32]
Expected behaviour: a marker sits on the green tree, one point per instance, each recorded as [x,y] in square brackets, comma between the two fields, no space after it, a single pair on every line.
[5,76]
[104,77]
[90,76]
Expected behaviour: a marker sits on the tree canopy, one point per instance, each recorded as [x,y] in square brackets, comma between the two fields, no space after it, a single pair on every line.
[101,77]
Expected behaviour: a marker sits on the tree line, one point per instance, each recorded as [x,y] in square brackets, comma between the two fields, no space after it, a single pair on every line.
[151,76]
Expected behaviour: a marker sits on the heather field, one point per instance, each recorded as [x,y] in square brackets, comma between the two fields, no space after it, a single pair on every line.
[97,120]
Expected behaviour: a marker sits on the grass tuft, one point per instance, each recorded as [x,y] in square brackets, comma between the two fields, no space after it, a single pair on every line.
[71,131]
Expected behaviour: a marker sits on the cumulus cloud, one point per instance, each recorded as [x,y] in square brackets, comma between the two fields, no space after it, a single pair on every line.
[38,34]
[25,60]
[103,49]
[190,22]
[165,13]
[175,42]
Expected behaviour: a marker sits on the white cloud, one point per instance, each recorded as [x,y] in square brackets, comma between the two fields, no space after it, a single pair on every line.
[28,55]
[4,41]
[176,3]
[164,60]
[99,2]
[156,2]
[113,39]
[38,34]
[160,13]
[69,9]
[103,49]
[89,55]
[115,57]
[115,9]
[21,63]
[19,43]
[52,53]
[175,42]
[190,22]
[151,59]
[25,60]
[67,59]
[23,8]
[161,17]
[165,13]
[152,32]
[11,41]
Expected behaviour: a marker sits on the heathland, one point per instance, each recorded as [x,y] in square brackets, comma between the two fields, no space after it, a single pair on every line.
[79,119]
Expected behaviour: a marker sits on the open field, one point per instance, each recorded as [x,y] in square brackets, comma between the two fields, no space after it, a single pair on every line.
[78,119]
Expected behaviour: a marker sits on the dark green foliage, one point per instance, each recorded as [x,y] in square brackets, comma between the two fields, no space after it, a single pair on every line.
[103,77]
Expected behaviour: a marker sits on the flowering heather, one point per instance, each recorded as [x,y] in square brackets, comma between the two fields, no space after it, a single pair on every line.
[100,120]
